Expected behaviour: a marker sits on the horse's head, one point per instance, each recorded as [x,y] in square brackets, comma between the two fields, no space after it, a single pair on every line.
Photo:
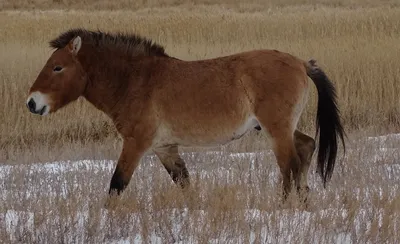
[61,81]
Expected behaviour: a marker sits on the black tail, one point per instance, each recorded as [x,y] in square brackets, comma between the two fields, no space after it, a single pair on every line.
[328,121]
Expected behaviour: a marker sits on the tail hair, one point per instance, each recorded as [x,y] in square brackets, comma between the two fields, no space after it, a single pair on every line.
[328,121]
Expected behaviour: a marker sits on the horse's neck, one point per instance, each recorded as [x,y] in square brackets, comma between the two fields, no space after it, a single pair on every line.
[107,85]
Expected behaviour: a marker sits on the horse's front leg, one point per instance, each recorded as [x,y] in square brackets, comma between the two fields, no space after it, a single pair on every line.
[132,151]
[174,164]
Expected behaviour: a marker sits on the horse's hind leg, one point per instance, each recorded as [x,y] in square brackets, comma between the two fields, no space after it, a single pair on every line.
[285,152]
[174,164]
[287,159]
[305,147]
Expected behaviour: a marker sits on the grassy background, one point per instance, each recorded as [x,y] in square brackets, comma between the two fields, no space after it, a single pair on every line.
[248,5]
[358,48]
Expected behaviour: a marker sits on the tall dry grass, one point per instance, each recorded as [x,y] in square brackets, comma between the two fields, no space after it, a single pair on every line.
[248,5]
[358,48]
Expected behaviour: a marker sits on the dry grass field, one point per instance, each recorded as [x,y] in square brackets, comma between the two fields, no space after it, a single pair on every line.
[238,5]
[235,187]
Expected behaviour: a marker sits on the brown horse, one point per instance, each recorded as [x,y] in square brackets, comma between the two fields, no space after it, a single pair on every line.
[158,102]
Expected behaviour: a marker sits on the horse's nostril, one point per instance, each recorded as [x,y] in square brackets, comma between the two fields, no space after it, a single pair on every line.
[32,105]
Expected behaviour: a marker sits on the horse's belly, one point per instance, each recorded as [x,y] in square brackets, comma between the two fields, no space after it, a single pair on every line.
[204,135]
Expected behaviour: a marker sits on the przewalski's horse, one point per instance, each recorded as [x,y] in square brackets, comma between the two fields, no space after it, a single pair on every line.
[158,102]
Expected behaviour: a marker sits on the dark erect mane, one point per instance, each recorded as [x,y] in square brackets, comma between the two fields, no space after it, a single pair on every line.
[130,43]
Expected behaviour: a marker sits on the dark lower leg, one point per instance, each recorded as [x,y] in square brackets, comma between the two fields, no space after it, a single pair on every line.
[174,165]
[130,156]
[118,183]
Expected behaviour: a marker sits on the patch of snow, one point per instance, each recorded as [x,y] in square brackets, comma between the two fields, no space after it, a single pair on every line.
[281,226]
[384,138]
[19,223]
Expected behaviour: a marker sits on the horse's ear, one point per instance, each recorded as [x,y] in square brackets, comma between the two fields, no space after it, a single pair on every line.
[75,45]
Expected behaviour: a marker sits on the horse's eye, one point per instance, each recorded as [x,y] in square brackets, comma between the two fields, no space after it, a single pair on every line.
[57,69]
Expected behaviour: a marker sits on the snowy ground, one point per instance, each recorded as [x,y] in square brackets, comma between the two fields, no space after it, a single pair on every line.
[62,200]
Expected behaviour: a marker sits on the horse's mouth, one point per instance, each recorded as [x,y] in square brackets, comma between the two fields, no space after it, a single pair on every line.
[41,112]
